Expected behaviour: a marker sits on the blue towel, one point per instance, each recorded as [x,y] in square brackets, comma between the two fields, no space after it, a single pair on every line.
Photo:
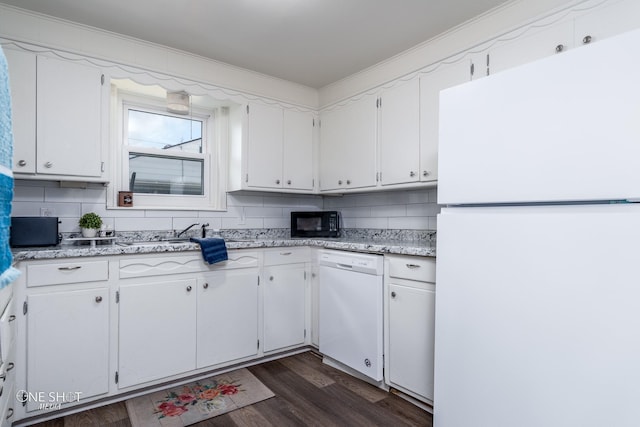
[213,249]
[7,273]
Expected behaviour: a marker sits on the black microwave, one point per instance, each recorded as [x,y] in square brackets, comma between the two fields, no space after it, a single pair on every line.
[315,224]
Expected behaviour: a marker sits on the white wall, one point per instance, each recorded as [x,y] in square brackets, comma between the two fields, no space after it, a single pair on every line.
[415,209]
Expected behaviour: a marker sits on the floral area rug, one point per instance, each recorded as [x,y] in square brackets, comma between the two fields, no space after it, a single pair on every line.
[197,401]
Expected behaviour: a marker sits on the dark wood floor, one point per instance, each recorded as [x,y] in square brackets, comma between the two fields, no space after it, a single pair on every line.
[308,393]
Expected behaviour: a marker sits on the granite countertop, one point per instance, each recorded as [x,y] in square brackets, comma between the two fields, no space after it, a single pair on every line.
[378,246]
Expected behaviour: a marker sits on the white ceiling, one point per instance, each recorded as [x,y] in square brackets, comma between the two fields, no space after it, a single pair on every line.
[311,42]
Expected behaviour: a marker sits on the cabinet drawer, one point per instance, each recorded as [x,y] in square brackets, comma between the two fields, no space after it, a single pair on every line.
[287,256]
[412,268]
[68,272]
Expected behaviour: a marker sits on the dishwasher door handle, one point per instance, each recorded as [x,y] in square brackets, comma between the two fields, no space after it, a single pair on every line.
[345,266]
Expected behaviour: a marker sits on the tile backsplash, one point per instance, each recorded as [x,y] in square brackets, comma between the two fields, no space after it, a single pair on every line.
[407,209]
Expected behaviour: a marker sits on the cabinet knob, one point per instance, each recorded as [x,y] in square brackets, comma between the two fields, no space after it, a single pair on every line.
[586,40]
[22,163]
[98,298]
[271,278]
[393,294]
[48,165]
[206,286]
[412,174]
[288,182]
[277,181]
[339,182]
[559,48]
[426,173]
[348,182]
[189,288]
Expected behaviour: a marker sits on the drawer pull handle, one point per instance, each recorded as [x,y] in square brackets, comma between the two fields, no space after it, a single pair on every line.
[9,413]
[12,318]
[75,267]
[285,253]
[98,299]
[11,366]
[189,288]
[393,294]
[412,266]
[206,286]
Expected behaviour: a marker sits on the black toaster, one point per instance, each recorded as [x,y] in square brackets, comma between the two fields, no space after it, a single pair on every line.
[32,231]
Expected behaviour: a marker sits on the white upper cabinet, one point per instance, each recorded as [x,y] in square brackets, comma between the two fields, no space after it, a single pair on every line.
[273,150]
[614,18]
[534,43]
[400,133]
[264,140]
[297,163]
[430,86]
[58,116]
[348,146]
[22,72]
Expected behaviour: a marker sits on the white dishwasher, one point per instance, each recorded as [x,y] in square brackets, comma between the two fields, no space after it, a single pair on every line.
[351,293]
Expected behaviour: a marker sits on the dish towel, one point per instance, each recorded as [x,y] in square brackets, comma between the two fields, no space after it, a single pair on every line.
[213,249]
[7,273]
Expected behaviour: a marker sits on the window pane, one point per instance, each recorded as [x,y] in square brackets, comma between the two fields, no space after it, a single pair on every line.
[165,175]
[153,130]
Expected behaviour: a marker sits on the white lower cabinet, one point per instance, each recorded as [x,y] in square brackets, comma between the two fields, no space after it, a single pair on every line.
[410,300]
[67,336]
[284,306]
[157,334]
[285,297]
[227,317]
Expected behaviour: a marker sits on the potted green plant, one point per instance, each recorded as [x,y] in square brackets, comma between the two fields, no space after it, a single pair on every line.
[90,223]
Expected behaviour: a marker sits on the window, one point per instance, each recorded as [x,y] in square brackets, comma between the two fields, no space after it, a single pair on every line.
[165,153]
[168,161]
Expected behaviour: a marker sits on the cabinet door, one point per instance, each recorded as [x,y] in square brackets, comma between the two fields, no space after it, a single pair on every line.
[603,22]
[22,78]
[400,133]
[298,150]
[284,306]
[68,343]
[348,146]
[69,106]
[411,338]
[157,335]
[430,86]
[264,148]
[536,43]
[227,326]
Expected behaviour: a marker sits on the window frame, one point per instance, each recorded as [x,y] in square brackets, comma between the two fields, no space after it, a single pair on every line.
[213,156]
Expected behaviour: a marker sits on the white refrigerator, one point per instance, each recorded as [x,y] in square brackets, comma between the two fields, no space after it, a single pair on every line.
[538,284]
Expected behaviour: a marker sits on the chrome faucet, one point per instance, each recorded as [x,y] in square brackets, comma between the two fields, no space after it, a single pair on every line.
[187,229]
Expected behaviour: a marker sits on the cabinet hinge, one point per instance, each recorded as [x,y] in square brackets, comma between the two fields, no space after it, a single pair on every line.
[117,377]
[313,122]
[258,280]
[305,333]
[246,178]
[101,166]
[258,345]
[313,183]
[472,69]
[102,80]
[488,68]
[247,109]
[305,275]
[25,307]
[117,297]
